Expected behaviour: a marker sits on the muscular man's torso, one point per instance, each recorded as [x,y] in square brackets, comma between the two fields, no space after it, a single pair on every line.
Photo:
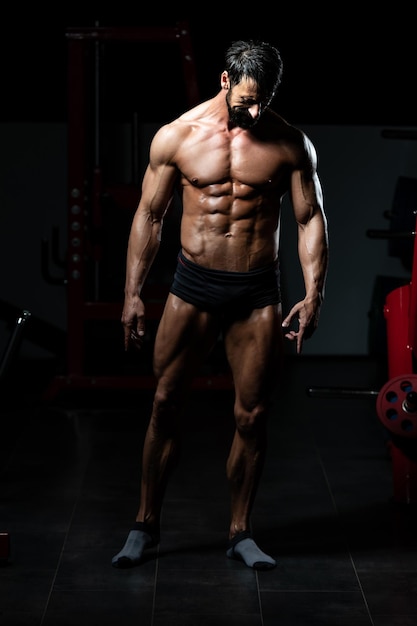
[232,184]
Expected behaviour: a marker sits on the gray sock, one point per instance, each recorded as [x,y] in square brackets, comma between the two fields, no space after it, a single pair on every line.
[136,543]
[243,548]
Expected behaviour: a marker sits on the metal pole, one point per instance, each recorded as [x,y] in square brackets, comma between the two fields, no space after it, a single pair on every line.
[14,342]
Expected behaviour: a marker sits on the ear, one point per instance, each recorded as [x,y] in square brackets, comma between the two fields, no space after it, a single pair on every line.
[224,80]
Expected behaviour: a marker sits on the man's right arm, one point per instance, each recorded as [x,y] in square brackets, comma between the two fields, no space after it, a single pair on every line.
[145,234]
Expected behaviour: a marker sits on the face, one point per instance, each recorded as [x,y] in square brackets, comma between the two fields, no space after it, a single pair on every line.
[244,104]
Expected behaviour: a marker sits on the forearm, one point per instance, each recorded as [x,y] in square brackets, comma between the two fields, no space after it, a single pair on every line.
[313,254]
[143,246]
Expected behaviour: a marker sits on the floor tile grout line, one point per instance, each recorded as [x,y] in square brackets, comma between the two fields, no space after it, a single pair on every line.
[259,598]
[64,543]
[336,509]
[155,587]
[51,589]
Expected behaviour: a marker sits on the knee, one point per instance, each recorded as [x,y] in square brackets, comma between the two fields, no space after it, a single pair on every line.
[165,412]
[250,421]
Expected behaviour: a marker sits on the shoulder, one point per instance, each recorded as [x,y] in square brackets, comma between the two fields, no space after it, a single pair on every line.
[296,140]
[170,137]
[166,141]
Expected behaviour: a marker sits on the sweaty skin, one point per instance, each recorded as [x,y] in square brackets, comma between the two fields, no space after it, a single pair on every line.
[232,181]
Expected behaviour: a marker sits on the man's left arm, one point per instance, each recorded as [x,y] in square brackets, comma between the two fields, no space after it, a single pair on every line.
[313,246]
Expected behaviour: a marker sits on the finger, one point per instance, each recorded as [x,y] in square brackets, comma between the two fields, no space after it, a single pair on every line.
[288,320]
[137,338]
[126,332]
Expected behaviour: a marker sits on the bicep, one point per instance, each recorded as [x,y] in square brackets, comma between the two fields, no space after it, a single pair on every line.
[158,189]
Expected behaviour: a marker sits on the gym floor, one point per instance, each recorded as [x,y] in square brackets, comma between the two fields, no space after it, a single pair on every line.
[69,485]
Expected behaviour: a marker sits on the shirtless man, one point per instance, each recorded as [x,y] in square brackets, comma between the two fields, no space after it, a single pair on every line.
[233,160]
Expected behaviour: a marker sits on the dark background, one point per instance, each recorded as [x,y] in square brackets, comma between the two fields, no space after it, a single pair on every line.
[343,65]
[348,76]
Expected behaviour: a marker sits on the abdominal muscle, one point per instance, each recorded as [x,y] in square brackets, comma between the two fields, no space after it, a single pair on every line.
[228,233]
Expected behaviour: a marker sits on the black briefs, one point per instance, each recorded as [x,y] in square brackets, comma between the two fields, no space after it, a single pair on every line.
[217,291]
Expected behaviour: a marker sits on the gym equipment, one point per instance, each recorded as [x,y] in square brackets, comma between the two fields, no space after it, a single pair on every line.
[396,406]
[4,548]
[14,342]
[115,78]
[5,364]
[396,401]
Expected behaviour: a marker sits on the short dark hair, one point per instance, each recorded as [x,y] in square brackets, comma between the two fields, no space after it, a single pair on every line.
[257,60]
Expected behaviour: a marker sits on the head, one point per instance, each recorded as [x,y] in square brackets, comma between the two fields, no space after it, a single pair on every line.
[252,74]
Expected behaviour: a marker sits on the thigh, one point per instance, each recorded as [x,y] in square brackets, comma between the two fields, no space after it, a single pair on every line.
[254,348]
[183,341]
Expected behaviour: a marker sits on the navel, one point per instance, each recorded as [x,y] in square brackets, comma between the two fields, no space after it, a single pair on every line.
[228,234]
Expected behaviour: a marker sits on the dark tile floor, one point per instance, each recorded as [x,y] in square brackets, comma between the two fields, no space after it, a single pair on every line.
[69,478]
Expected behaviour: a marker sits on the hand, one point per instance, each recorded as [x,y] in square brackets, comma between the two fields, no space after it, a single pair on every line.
[307,316]
[133,321]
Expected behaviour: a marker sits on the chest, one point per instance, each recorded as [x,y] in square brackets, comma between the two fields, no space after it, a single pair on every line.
[222,157]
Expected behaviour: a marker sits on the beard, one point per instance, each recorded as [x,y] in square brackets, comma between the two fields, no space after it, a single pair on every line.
[240,116]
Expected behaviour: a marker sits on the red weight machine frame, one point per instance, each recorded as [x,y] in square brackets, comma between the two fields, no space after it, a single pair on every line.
[396,401]
[400,312]
[400,391]
[80,307]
